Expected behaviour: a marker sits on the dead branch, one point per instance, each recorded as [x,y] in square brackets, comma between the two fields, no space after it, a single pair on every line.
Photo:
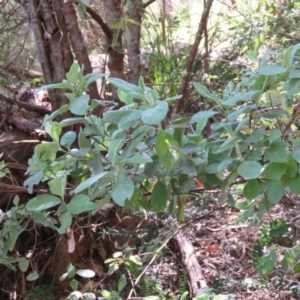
[19,72]
[192,55]
[190,260]
[97,18]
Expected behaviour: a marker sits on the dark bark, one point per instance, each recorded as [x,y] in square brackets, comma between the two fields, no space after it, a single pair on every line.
[192,55]
[115,52]
[51,52]
[20,72]
[134,61]
[78,46]
[37,28]
[97,18]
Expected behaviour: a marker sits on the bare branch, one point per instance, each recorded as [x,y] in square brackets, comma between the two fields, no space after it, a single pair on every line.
[96,17]
[192,55]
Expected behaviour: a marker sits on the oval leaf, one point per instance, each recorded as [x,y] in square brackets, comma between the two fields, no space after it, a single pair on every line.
[272,70]
[32,276]
[251,189]
[42,202]
[274,170]
[276,153]
[23,264]
[79,106]
[68,139]
[275,191]
[294,185]
[122,116]
[249,169]
[159,197]
[80,203]
[155,115]
[122,190]
[86,273]
[87,183]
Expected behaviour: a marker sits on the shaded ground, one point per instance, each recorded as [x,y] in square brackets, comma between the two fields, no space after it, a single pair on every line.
[224,250]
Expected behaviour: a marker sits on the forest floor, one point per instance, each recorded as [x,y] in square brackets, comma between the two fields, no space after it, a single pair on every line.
[224,250]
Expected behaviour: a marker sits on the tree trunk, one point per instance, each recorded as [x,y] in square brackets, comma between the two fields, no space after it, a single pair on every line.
[189,65]
[77,42]
[134,61]
[53,53]
[115,50]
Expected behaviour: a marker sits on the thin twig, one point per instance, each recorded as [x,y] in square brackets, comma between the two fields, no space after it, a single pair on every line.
[150,263]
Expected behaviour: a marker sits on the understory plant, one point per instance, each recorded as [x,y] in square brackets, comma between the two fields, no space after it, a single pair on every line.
[129,157]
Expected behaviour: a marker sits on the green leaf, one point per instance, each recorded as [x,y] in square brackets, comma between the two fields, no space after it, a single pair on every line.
[137,159]
[272,70]
[87,183]
[74,287]
[267,263]
[162,148]
[122,116]
[56,113]
[132,89]
[32,180]
[68,139]
[80,203]
[288,259]
[42,202]
[105,294]
[256,136]
[89,78]
[276,153]
[63,85]
[152,168]
[71,121]
[46,151]
[115,23]
[23,264]
[292,54]
[274,170]
[58,186]
[187,166]
[202,90]
[83,141]
[274,135]
[296,155]
[275,191]
[136,259]
[65,221]
[243,110]
[159,197]
[155,115]
[252,56]
[122,282]
[275,114]
[292,168]
[249,169]
[79,105]
[122,190]
[85,273]
[125,97]
[185,183]
[32,276]
[113,267]
[202,115]
[72,75]
[251,189]
[71,271]
[294,185]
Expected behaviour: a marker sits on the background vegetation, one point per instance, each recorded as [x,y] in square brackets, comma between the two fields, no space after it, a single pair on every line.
[159,153]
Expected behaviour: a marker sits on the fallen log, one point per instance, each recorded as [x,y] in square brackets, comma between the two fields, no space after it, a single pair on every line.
[190,260]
